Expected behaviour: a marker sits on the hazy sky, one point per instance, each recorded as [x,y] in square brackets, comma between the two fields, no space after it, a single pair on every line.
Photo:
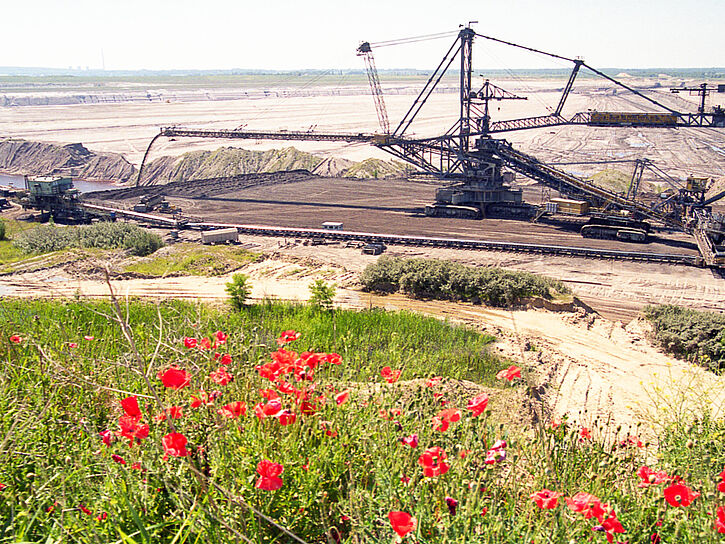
[296,34]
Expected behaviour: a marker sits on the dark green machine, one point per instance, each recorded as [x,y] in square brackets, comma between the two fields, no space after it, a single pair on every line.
[54,196]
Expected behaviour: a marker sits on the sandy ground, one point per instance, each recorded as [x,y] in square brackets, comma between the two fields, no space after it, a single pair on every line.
[128,127]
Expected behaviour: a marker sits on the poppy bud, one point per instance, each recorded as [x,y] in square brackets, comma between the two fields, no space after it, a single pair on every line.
[452,505]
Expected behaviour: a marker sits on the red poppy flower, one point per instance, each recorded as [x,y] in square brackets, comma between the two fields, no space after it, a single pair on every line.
[679,495]
[433,461]
[269,472]
[442,421]
[269,394]
[271,409]
[341,398]
[484,511]
[612,525]
[233,410]
[136,466]
[452,505]
[555,423]
[287,336]
[650,477]
[106,437]
[226,359]
[631,441]
[585,433]
[720,521]
[509,373]
[132,430]
[72,345]
[15,339]
[89,338]
[588,505]
[390,375]
[308,408]
[221,376]
[286,417]
[102,516]
[721,485]
[411,440]
[175,412]
[546,499]
[174,378]
[325,426]
[130,406]
[118,459]
[174,445]
[333,358]
[402,523]
[82,508]
[190,342]
[433,381]
[494,456]
[221,338]
[478,404]
[205,344]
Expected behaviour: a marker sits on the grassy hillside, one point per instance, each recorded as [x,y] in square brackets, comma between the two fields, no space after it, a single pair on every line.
[201,425]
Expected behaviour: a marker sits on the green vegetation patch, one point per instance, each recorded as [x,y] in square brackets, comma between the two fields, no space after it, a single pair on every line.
[430,278]
[690,334]
[47,238]
[281,420]
[193,260]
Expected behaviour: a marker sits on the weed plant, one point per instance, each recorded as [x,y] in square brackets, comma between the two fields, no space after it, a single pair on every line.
[348,459]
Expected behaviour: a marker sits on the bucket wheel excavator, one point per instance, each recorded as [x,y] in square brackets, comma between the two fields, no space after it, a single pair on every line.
[478,166]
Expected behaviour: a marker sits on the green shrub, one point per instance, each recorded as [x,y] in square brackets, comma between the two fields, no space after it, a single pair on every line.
[239,290]
[322,294]
[104,235]
[2,230]
[689,334]
[430,278]
[142,242]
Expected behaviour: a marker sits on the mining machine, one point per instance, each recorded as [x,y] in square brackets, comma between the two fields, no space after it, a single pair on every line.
[479,167]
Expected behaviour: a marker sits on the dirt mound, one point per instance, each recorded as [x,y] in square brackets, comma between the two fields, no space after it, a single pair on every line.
[377,169]
[35,158]
[203,188]
[227,161]
[332,167]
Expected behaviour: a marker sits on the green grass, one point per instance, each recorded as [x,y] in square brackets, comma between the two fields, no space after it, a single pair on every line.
[8,252]
[193,260]
[56,398]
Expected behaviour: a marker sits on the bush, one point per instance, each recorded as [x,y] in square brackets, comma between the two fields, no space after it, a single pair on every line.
[689,334]
[2,230]
[142,242]
[100,235]
[322,294]
[239,290]
[429,278]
